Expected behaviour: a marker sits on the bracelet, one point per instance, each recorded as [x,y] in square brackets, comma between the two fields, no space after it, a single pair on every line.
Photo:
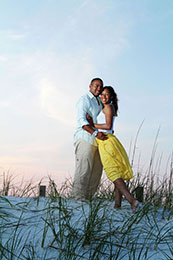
[95,133]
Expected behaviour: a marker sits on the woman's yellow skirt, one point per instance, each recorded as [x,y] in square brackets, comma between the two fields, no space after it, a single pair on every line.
[114,159]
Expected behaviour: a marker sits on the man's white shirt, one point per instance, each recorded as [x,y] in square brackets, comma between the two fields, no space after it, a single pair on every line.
[86,104]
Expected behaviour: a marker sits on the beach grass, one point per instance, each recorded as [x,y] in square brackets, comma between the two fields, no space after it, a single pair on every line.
[67,229]
[57,227]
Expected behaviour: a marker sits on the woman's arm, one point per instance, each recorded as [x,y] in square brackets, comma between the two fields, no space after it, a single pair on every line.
[108,112]
[100,135]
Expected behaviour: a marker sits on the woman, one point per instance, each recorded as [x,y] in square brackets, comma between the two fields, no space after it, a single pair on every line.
[113,155]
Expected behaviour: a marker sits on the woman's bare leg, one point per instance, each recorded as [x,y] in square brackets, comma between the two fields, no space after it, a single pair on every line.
[121,186]
[118,197]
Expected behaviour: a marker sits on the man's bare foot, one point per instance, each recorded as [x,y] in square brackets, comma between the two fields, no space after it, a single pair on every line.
[134,206]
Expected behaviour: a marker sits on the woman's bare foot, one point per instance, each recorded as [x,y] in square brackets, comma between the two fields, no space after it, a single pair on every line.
[134,205]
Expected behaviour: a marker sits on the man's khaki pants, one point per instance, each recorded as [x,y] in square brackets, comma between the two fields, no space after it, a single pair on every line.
[88,170]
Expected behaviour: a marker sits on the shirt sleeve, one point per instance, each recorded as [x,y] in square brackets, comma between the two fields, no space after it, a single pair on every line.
[82,108]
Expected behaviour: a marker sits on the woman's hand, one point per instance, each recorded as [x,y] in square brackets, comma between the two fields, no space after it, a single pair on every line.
[102,136]
[89,119]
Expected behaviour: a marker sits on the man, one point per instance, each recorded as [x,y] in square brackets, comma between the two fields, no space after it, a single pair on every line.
[88,168]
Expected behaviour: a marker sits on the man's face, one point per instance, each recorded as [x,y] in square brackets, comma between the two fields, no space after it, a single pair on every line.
[96,87]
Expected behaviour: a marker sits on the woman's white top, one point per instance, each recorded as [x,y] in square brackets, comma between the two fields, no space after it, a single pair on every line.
[101,120]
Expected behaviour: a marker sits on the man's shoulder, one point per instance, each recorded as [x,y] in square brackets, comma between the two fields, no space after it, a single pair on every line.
[84,98]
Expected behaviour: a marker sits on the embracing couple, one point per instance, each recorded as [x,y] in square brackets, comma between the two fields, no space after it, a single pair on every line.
[97,147]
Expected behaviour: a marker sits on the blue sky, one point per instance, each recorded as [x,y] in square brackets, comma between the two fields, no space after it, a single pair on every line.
[49,52]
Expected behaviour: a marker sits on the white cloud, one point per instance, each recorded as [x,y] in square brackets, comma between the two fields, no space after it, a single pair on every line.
[3,58]
[55,103]
[4,103]
[11,35]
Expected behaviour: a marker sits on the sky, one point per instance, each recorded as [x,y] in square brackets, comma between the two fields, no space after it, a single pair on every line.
[49,52]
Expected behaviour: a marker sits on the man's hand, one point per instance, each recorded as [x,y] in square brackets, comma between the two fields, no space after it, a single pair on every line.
[89,119]
[101,136]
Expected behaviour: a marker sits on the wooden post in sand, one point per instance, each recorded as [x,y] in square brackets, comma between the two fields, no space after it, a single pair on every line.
[139,193]
[42,191]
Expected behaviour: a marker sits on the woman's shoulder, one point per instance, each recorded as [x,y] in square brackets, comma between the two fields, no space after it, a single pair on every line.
[109,109]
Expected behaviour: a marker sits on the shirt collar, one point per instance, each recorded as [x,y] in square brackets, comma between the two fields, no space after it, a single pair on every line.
[91,95]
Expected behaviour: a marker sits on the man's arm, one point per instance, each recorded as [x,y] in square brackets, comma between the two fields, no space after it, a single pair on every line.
[100,135]
[82,110]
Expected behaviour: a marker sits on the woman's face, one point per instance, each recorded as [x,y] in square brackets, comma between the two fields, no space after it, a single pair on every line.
[105,96]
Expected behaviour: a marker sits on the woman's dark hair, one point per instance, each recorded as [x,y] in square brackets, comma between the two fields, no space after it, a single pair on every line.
[114,98]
